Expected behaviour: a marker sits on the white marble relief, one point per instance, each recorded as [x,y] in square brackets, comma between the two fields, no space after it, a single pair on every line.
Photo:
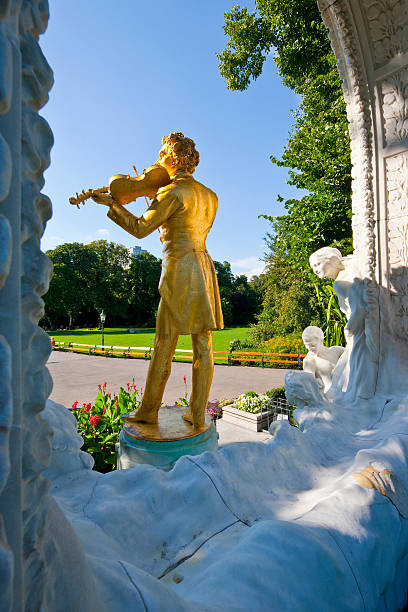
[355,372]
[395,106]
[388,26]
[199,537]
[320,360]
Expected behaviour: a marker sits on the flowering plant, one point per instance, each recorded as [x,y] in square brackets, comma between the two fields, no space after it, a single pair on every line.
[183,401]
[214,409]
[252,402]
[291,343]
[100,423]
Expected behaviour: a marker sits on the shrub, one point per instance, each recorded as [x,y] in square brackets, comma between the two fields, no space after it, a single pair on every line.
[292,343]
[240,345]
[100,423]
[250,394]
[252,402]
[226,402]
[276,393]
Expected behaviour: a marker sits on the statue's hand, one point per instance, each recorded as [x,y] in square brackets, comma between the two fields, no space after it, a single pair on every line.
[102,198]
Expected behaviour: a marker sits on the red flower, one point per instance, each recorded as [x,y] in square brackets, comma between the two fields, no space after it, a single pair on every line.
[104,386]
[87,407]
[101,447]
[94,419]
[104,410]
[185,379]
[74,405]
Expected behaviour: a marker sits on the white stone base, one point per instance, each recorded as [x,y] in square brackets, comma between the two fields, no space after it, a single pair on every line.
[199,537]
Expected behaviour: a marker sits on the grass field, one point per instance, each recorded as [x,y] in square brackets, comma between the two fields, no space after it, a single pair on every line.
[117,336]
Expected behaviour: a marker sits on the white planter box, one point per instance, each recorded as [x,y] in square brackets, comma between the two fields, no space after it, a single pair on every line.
[254,422]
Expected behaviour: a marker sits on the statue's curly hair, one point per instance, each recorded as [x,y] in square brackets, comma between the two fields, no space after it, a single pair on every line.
[182,150]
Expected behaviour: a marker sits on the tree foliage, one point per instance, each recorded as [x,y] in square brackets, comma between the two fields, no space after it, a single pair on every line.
[70,293]
[240,299]
[86,279]
[143,292]
[317,153]
[102,276]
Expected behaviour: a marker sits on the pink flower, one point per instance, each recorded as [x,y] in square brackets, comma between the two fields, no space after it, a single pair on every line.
[74,405]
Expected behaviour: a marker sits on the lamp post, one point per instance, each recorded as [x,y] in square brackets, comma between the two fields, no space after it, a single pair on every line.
[102,317]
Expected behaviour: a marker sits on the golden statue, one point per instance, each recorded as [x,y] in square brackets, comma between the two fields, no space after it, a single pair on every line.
[184,210]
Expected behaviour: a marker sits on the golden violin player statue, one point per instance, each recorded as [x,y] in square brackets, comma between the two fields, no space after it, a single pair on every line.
[184,210]
[124,188]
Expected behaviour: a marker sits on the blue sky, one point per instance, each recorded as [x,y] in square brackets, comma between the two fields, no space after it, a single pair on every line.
[127,73]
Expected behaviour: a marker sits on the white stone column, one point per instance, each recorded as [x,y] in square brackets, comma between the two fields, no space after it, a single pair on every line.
[11,584]
[40,555]
[370,41]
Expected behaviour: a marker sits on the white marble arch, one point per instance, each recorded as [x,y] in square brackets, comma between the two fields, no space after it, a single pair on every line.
[370,40]
[278,526]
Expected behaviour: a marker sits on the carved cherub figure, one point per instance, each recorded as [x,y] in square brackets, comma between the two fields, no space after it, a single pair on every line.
[320,360]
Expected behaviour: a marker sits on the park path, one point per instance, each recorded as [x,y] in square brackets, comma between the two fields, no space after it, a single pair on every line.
[76,377]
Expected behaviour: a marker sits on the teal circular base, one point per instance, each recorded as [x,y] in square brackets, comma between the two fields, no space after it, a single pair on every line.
[163,454]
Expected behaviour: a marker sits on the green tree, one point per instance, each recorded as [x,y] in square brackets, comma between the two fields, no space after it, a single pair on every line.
[70,292]
[225,283]
[317,153]
[108,279]
[245,300]
[86,279]
[143,293]
[240,299]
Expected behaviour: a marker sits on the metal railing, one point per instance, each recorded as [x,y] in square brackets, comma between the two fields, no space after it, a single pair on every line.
[280,410]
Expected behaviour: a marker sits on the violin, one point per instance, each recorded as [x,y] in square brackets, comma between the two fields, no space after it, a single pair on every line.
[124,188]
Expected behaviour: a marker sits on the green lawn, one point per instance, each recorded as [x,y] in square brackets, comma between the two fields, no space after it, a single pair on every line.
[117,336]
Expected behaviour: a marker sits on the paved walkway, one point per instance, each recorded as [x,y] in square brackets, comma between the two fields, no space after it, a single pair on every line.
[76,377]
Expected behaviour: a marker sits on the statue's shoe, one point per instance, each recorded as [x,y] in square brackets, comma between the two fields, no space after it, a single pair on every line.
[188,417]
[141,416]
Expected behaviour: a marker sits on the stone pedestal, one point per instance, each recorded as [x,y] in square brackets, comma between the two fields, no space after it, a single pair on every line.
[162,444]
